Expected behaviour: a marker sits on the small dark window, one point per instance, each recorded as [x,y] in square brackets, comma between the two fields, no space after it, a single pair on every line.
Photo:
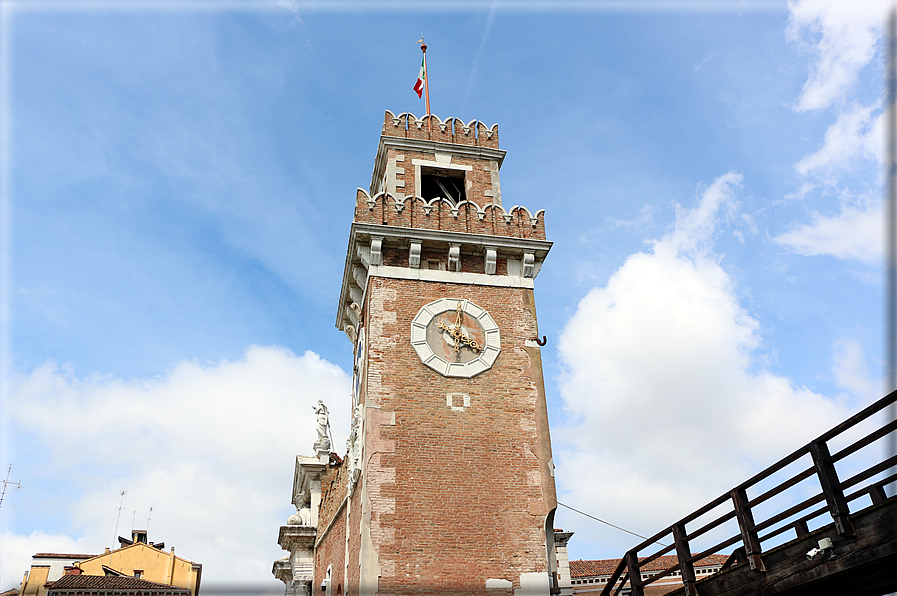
[442,183]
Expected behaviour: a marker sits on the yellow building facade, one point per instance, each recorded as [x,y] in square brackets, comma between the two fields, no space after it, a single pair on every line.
[146,562]
[136,558]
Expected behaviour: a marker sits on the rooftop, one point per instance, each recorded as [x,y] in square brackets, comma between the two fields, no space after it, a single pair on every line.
[111,583]
[607,566]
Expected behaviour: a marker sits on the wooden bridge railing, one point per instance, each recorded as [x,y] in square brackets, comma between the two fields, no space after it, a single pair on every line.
[741,508]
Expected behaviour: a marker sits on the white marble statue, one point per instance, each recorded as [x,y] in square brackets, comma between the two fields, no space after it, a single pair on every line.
[354,446]
[322,426]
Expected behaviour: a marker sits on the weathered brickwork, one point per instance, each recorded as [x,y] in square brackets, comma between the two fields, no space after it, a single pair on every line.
[340,519]
[453,130]
[467,152]
[441,214]
[333,482]
[456,474]
[330,554]
[464,482]
[477,177]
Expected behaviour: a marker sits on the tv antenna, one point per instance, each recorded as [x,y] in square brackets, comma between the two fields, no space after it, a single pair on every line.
[7,483]
[148,518]
[118,518]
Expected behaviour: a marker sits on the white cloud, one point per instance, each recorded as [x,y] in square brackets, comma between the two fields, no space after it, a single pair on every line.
[855,134]
[842,36]
[664,382]
[851,371]
[210,447]
[854,233]
[644,218]
[16,551]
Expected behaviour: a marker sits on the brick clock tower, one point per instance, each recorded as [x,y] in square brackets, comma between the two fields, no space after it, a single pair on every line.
[447,486]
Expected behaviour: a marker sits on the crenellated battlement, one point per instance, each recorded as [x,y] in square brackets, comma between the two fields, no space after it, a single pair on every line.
[452,130]
[434,213]
[442,214]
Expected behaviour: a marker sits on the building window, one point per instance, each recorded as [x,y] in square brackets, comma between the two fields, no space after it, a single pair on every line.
[138,573]
[444,183]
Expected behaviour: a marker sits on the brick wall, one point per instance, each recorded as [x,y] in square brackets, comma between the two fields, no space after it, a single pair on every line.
[456,497]
[452,130]
[441,214]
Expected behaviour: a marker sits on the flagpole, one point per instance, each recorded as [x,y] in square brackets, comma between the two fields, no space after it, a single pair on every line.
[423,47]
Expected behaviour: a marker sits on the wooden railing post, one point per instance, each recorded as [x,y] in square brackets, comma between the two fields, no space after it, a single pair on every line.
[877,494]
[748,532]
[831,488]
[683,551]
[635,575]
[612,580]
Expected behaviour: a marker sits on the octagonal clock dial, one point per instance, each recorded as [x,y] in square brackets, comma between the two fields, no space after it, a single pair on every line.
[455,337]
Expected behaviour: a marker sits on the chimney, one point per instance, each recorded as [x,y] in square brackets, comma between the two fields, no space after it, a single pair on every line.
[108,550]
[70,570]
[138,536]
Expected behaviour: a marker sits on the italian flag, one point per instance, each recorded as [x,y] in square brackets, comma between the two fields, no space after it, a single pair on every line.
[421,76]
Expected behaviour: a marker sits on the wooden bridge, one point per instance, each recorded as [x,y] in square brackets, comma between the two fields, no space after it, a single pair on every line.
[791,525]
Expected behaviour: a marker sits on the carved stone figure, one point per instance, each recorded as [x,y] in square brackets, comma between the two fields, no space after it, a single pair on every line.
[353,447]
[301,518]
[322,425]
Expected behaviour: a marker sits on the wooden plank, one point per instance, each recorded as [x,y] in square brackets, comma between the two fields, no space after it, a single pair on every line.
[782,487]
[738,556]
[612,580]
[748,529]
[680,537]
[831,488]
[862,566]
[867,440]
[788,513]
[635,575]
[860,416]
[877,493]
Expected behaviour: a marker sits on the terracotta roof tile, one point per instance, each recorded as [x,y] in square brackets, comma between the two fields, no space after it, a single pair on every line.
[62,556]
[590,568]
[72,583]
[607,566]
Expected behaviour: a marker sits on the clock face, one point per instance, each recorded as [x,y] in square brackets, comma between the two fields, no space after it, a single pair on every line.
[455,337]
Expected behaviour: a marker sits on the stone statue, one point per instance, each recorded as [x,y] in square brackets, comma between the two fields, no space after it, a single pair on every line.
[322,426]
[353,447]
[301,518]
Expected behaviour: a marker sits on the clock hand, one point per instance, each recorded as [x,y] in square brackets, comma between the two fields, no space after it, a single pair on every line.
[472,344]
[458,335]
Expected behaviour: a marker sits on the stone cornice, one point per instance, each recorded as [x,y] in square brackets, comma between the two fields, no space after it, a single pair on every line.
[291,537]
[504,245]
[307,469]
[451,277]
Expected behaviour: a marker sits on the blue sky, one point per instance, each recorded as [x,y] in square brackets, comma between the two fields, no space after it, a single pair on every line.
[178,185]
